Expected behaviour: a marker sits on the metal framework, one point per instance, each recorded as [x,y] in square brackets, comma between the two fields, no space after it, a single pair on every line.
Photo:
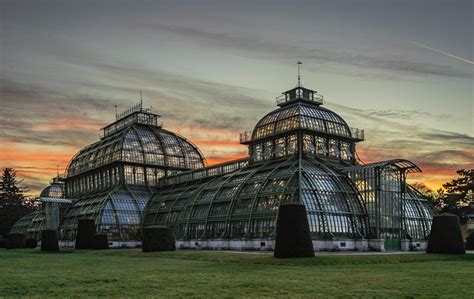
[139,174]
[111,180]
[244,203]
[52,206]
[299,152]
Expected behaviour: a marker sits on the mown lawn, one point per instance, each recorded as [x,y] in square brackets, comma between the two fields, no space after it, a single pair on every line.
[131,273]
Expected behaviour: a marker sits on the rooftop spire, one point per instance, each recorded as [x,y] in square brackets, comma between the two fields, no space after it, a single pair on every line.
[299,75]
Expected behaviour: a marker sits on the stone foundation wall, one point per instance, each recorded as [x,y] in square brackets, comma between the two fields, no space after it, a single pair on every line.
[269,245]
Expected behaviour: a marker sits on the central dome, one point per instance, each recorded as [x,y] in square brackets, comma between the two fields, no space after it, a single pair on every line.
[301,115]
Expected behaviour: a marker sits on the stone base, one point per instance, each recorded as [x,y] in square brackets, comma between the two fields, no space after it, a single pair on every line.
[376,245]
[414,245]
[112,244]
[269,245]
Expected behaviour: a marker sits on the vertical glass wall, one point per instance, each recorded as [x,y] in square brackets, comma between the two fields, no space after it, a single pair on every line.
[395,210]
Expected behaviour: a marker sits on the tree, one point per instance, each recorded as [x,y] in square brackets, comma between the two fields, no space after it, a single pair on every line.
[457,196]
[13,202]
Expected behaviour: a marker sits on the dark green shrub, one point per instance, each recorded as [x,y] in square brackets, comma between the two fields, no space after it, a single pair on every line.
[2,242]
[158,238]
[100,241]
[31,243]
[85,233]
[49,240]
[15,241]
[446,235]
[470,242]
[293,238]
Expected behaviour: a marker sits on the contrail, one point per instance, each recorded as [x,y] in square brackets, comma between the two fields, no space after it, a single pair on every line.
[441,52]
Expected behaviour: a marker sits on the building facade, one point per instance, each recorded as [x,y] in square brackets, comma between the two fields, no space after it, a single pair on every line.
[300,152]
[112,179]
[139,174]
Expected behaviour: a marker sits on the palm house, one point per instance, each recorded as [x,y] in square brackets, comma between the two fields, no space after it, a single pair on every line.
[112,179]
[139,174]
[300,152]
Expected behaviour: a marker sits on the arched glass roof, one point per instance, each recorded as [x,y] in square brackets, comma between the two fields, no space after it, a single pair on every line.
[31,225]
[245,203]
[138,144]
[301,115]
[116,212]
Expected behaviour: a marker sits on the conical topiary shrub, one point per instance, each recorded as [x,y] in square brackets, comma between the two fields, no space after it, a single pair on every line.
[85,233]
[158,238]
[446,235]
[49,240]
[31,243]
[15,240]
[293,238]
[470,242]
[100,241]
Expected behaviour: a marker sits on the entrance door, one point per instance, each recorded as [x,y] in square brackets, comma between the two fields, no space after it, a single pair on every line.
[393,244]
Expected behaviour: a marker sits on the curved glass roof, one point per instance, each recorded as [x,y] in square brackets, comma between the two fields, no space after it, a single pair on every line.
[245,203]
[117,212]
[31,225]
[301,115]
[138,144]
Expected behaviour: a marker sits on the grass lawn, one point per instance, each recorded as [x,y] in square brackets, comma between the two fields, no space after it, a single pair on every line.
[131,273]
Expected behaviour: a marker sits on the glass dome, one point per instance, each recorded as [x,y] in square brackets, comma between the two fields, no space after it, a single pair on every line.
[138,144]
[55,190]
[301,115]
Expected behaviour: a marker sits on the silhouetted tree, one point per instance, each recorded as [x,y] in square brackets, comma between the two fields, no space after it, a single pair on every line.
[13,202]
[425,191]
[457,196]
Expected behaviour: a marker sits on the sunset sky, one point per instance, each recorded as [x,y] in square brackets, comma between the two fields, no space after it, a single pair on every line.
[401,70]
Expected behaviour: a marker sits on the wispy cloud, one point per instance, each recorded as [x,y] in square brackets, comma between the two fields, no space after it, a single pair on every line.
[444,53]
[267,49]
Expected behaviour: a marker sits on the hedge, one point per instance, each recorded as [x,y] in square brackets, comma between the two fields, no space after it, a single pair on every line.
[293,238]
[49,240]
[15,240]
[446,235]
[158,238]
[85,233]
[100,241]
[31,243]
[470,242]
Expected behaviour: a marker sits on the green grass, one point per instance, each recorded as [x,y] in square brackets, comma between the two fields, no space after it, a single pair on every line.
[131,273]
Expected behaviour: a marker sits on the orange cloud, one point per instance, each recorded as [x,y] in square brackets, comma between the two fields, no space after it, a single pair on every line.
[37,164]
[216,160]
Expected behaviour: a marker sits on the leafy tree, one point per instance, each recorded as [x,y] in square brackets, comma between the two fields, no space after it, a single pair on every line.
[13,202]
[425,191]
[457,196]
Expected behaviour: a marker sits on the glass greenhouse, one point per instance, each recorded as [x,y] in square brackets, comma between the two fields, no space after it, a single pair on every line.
[52,203]
[112,180]
[139,174]
[300,152]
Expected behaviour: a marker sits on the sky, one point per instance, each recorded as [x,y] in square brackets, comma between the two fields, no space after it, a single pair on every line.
[400,70]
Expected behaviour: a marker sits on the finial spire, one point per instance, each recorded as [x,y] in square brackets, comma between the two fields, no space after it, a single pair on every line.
[299,75]
[116,112]
[141,100]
